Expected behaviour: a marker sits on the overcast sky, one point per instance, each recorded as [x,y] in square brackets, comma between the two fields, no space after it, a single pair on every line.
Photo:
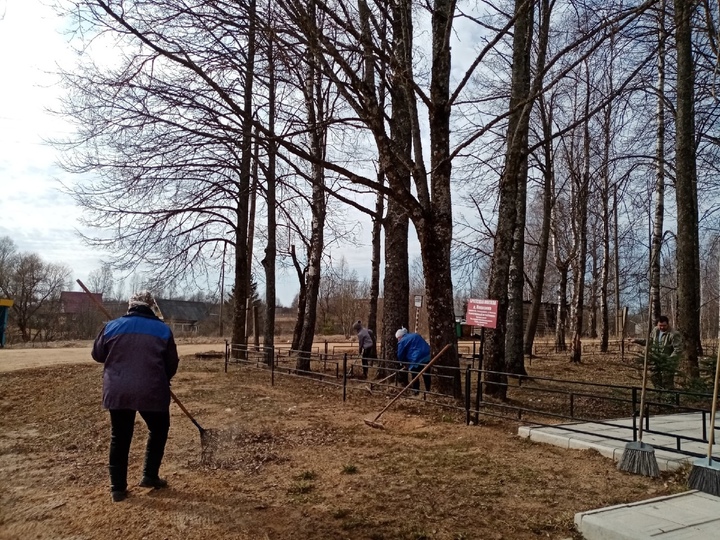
[33,210]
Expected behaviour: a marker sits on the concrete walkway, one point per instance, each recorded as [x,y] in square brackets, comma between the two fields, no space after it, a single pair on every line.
[610,441]
[685,516]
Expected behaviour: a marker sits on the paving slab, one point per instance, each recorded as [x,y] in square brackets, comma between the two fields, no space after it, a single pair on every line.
[688,515]
[610,440]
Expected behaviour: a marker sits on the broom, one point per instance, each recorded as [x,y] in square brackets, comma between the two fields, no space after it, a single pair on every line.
[638,457]
[705,473]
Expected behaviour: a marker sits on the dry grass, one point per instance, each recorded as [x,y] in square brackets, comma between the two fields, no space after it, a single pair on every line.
[301,465]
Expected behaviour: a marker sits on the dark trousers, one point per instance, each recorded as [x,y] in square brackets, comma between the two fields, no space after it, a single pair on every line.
[123,423]
[367,355]
[402,374]
[426,377]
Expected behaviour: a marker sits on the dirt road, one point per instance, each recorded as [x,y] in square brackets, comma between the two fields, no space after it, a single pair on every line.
[14,359]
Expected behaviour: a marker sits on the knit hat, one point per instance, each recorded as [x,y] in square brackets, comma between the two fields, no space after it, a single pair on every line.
[357,326]
[142,298]
[400,333]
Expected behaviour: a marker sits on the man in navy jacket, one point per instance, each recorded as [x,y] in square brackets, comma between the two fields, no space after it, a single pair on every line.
[140,358]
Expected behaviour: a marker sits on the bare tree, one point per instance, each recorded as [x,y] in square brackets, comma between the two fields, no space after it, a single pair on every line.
[101,280]
[548,183]
[35,287]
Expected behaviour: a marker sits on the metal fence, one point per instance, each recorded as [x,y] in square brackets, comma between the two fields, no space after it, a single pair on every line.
[540,401]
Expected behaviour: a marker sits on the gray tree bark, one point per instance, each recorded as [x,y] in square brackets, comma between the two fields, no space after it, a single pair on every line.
[269,261]
[688,250]
[515,173]
[316,114]
[580,217]
[242,264]
[658,222]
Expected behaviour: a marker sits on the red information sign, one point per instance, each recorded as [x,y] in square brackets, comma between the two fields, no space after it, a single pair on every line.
[481,313]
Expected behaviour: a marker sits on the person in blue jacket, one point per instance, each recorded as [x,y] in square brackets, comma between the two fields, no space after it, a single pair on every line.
[413,352]
[139,359]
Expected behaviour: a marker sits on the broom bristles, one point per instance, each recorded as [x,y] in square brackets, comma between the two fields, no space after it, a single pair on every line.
[639,458]
[705,477]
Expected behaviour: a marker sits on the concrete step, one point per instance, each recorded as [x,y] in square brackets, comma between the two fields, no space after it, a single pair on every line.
[685,516]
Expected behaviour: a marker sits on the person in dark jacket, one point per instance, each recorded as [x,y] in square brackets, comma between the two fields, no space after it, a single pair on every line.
[413,352]
[366,346]
[140,358]
[668,343]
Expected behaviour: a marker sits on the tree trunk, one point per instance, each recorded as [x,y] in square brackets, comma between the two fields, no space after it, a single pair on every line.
[605,196]
[688,252]
[593,307]
[514,358]
[302,295]
[580,216]
[514,174]
[316,115]
[375,263]
[377,218]
[561,319]
[658,224]
[269,260]
[619,315]
[548,183]
[242,264]
[250,321]
[396,283]
[434,227]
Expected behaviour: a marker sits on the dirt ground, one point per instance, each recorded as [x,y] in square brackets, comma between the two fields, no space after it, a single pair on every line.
[78,352]
[302,464]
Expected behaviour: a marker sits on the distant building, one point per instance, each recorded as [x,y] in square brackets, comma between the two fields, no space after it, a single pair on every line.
[76,303]
[183,315]
[79,317]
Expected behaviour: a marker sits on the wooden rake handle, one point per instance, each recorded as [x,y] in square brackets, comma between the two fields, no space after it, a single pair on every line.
[713,408]
[416,377]
[95,300]
[385,378]
[187,413]
[109,317]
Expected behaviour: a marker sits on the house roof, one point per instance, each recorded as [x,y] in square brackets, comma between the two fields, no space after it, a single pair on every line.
[182,310]
[73,302]
[170,310]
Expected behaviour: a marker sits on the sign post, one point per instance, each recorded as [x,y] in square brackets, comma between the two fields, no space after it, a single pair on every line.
[482,313]
[418,305]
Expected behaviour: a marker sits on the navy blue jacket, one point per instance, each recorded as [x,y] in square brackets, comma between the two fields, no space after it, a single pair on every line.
[140,357]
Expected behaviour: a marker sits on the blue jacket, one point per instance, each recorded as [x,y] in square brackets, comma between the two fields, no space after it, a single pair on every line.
[413,350]
[140,357]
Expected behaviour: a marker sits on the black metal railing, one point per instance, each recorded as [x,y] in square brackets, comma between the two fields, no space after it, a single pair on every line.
[567,400]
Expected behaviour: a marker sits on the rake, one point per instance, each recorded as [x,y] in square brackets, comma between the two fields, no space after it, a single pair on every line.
[378,425]
[370,386]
